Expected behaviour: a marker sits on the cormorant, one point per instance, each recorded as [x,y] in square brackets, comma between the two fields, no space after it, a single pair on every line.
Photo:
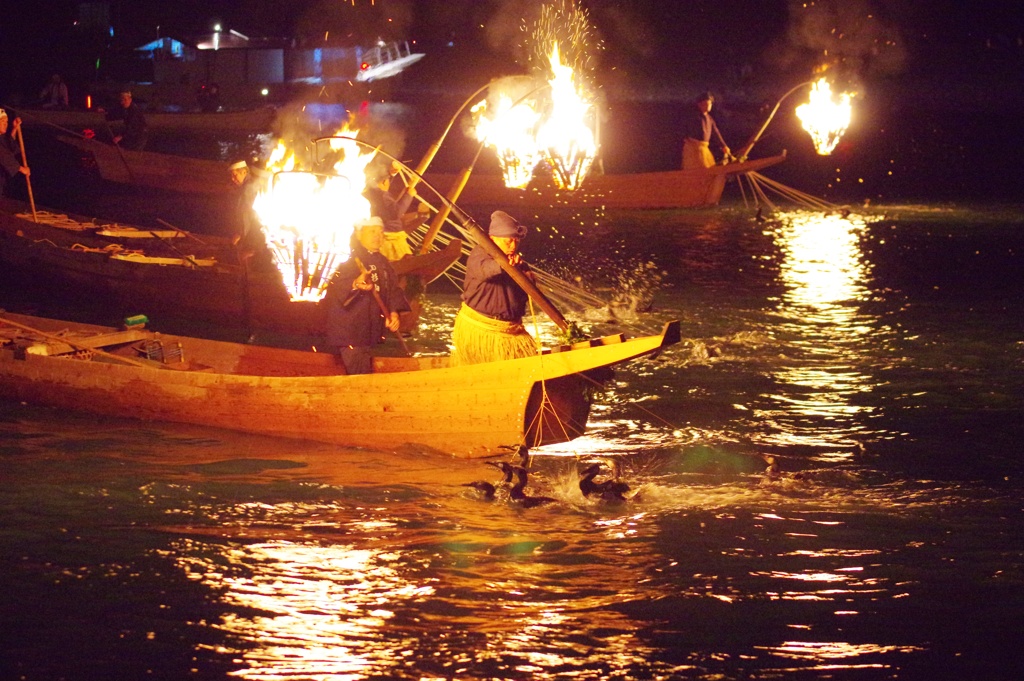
[517,495]
[505,467]
[608,490]
[483,488]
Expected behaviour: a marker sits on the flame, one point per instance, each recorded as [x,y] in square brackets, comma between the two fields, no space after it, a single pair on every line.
[565,135]
[522,136]
[308,217]
[825,117]
[509,130]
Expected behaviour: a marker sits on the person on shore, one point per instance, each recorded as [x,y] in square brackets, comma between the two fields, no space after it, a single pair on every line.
[489,325]
[55,94]
[135,131]
[11,163]
[698,128]
[363,300]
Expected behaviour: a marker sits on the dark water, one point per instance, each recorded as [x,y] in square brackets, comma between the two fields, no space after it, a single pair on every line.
[878,357]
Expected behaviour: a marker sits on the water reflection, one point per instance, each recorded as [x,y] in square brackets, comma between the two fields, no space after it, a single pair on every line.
[829,341]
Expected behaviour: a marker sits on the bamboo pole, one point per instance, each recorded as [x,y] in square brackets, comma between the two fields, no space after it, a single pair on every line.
[28,180]
[72,343]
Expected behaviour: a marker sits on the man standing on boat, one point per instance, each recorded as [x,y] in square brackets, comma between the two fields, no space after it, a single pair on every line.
[697,131]
[363,300]
[134,135]
[10,153]
[489,326]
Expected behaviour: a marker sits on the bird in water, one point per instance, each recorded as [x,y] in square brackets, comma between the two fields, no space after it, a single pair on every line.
[517,494]
[522,452]
[506,468]
[608,490]
[773,472]
[484,489]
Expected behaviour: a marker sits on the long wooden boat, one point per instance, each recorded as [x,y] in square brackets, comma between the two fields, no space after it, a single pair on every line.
[169,274]
[469,411]
[242,121]
[667,189]
[156,170]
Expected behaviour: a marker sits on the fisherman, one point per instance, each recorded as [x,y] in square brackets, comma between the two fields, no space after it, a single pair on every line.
[363,300]
[390,210]
[54,94]
[135,130]
[10,154]
[248,233]
[697,130]
[489,325]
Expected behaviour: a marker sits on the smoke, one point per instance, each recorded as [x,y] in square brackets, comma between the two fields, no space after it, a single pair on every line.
[852,38]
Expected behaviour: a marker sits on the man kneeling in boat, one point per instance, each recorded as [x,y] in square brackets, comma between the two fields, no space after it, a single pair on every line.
[698,128]
[489,326]
[363,300]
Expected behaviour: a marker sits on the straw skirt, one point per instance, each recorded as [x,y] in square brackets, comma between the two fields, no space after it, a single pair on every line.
[478,338]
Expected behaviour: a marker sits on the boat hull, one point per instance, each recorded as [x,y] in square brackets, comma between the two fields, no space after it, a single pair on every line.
[669,189]
[244,121]
[199,281]
[471,411]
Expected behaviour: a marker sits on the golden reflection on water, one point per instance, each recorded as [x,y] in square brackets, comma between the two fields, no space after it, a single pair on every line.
[825,332]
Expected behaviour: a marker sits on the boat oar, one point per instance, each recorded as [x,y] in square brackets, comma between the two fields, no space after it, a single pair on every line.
[28,180]
[384,309]
[120,152]
[179,230]
[68,341]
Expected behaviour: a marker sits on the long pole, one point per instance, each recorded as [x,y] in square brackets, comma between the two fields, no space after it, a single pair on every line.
[436,146]
[745,151]
[28,180]
[68,341]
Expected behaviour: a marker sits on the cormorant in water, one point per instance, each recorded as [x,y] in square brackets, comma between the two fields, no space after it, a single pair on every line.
[517,495]
[506,468]
[484,488]
[608,490]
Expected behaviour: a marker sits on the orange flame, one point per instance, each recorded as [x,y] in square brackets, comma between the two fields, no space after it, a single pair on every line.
[308,217]
[509,130]
[825,117]
[564,134]
[522,136]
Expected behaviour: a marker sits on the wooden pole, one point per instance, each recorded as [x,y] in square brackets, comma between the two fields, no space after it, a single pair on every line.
[384,310]
[67,341]
[28,180]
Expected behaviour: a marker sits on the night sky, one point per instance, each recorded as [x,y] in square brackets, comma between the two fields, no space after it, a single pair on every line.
[647,43]
[939,83]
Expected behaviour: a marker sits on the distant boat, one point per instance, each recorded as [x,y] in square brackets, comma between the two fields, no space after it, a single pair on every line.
[156,170]
[666,189]
[172,274]
[416,402]
[385,60]
[244,121]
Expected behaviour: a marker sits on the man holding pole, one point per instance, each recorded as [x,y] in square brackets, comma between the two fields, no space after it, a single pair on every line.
[489,326]
[11,159]
[363,300]
[698,128]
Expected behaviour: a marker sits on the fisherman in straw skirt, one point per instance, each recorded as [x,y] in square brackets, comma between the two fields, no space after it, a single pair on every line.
[489,326]
[698,128]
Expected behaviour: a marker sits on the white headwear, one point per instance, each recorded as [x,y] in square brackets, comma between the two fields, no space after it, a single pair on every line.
[3,114]
[238,165]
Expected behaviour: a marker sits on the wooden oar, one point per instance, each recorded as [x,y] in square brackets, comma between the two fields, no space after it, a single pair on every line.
[28,180]
[68,341]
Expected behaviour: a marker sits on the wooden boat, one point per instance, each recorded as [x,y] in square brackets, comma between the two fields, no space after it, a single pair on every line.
[152,169]
[667,189]
[179,277]
[243,121]
[470,411]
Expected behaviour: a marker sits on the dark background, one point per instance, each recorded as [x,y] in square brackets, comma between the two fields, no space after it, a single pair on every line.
[938,106]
